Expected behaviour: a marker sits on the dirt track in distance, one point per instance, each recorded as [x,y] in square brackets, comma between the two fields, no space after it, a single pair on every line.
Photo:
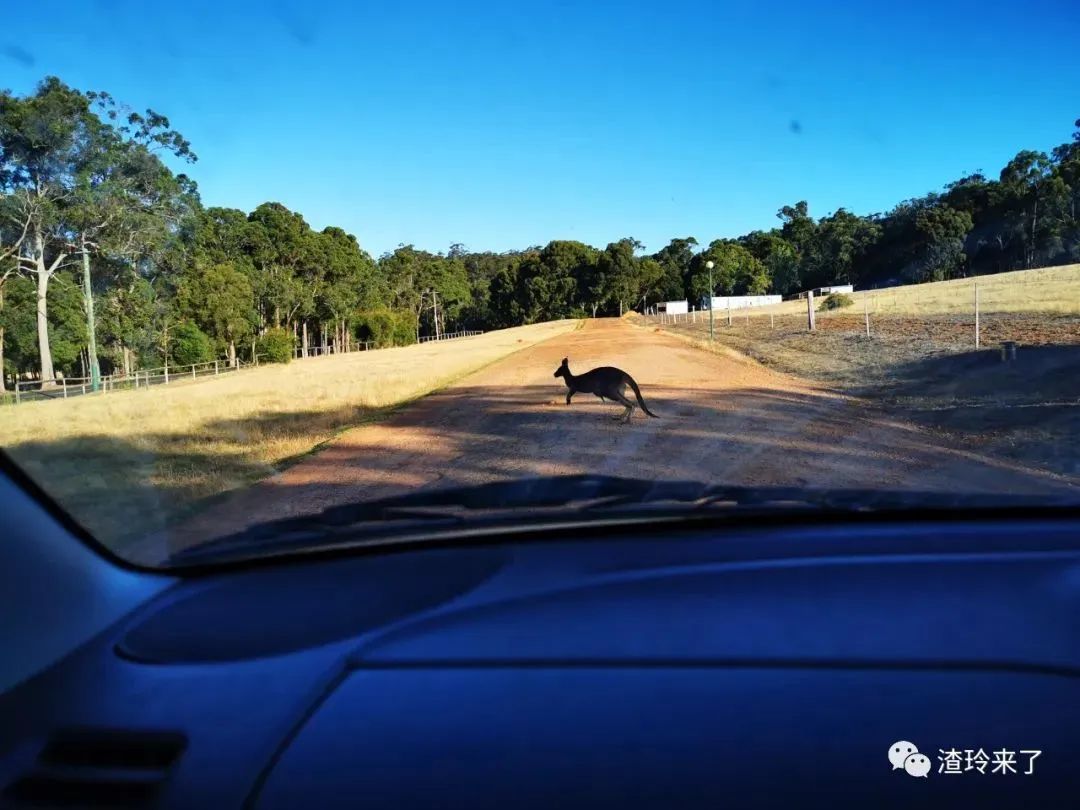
[724,419]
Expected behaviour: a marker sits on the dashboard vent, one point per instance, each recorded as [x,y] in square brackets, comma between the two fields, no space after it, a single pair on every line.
[97,768]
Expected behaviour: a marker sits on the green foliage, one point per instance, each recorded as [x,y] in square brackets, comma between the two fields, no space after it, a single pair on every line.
[944,228]
[276,346]
[835,301]
[191,345]
[218,298]
[18,321]
[385,327]
[67,325]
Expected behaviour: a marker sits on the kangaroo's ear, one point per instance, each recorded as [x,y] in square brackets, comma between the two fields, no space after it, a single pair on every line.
[564,361]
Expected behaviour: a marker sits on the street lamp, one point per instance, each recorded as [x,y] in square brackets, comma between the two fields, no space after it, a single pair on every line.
[709,266]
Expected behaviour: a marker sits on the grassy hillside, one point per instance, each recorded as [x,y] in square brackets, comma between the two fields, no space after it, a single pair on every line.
[128,462]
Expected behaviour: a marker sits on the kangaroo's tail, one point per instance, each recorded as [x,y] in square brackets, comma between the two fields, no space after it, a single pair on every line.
[640,401]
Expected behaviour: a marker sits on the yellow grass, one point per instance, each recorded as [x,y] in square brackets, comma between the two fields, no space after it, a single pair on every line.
[1050,289]
[128,462]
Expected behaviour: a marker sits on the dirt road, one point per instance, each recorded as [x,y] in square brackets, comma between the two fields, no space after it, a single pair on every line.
[723,419]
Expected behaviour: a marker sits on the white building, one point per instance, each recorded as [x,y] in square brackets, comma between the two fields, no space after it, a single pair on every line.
[739,301]
[673,307]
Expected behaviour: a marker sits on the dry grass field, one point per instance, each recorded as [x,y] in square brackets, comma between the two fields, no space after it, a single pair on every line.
[920,360]
[1046,290]
[128,462]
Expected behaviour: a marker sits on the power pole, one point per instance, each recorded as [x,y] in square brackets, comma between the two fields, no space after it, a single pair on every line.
[91,326]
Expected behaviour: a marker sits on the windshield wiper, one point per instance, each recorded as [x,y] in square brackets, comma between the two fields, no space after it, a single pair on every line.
[540,501]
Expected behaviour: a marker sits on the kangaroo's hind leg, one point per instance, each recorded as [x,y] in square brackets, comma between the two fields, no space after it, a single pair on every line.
[629,404]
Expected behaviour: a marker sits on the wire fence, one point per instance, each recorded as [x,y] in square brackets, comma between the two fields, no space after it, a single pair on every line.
[1029,308]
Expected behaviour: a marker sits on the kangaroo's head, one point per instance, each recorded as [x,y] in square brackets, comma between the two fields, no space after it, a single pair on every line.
[563,369]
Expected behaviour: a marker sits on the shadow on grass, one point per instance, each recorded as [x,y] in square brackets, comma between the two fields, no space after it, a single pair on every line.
[1026,410]
[121,489]
[1039,374]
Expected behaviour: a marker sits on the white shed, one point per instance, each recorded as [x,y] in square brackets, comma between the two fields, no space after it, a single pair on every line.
[673,307]
[740,301]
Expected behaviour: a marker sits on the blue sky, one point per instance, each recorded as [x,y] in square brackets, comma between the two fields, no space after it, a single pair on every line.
[506,124]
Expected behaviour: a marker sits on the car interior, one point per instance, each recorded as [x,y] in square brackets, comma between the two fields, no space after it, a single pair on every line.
[708,663]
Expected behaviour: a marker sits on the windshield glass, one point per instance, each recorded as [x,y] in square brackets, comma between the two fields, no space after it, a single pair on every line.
[293,276]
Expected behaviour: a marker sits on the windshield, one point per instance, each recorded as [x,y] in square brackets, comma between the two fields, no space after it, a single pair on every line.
[320,272]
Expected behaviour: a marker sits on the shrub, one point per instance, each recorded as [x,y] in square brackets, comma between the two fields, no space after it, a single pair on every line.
[385,327]
[404,329]
[276,346]
[191,345]
[835,301]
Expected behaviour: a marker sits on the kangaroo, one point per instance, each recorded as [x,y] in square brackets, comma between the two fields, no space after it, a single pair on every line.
[607,383]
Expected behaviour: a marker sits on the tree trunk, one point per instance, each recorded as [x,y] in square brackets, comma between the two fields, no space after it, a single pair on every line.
[1034,222]
[232,353]
[91,327]
[42,273]
[3,379]
[304,339]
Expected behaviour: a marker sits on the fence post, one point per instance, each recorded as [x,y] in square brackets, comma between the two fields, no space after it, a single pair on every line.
[16,389]
[65,389]
[810,309]
[866,314]
[215,368]
[772,320]
[729,312]
[976,314]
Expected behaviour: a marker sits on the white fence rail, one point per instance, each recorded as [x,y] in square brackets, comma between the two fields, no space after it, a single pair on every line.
[450,336]
[326,351]
[67,387]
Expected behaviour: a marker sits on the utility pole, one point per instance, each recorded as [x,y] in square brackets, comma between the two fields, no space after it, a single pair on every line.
[709,265]
[91,327]
[435,304]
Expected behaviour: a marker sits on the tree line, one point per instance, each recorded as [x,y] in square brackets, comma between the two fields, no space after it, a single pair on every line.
[109,262]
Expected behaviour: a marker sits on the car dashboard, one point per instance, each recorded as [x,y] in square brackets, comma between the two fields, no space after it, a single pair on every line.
[738,666]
